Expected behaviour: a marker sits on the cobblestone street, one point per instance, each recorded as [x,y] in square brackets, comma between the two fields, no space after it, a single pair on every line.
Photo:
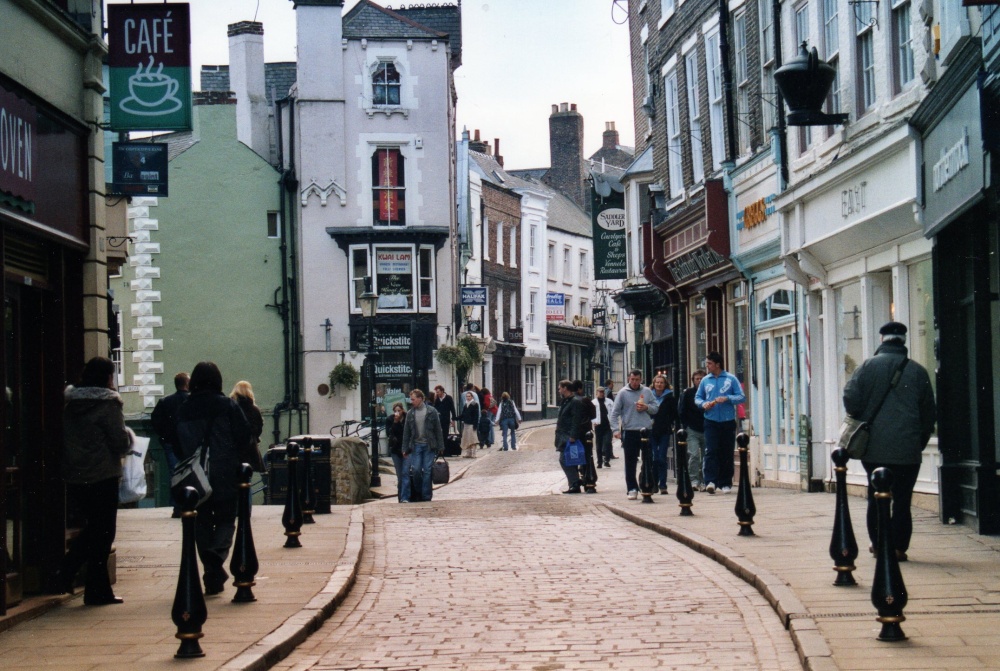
[497,573]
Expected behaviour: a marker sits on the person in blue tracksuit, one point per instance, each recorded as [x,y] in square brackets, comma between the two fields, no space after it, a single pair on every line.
[718,395]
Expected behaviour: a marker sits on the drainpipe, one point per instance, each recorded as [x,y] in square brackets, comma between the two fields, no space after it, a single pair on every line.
[779,101]
[282,304]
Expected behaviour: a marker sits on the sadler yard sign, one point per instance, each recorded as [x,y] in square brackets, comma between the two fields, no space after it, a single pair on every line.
[608,226]
[149,59]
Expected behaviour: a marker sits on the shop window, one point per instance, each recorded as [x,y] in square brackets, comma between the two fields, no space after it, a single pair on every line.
[385,84]
[850,350]
[388,187]
[399,270]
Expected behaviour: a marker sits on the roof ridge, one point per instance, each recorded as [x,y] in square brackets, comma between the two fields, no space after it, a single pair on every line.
[394,15]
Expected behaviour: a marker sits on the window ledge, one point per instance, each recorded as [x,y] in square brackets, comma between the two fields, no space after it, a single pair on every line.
[387,110]
[642,7]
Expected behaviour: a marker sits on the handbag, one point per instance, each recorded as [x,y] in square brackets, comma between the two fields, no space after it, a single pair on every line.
[440,471]
[574,454]
[854,433]
[132,487]
[193,471]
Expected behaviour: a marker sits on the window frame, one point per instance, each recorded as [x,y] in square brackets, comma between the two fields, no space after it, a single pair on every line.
[675,150]
[398,189]
[902,51]
[713,71]
[694,117]
[864,48]
[381,67]
[419,276]
[742,74]
[770,100]
[532,242]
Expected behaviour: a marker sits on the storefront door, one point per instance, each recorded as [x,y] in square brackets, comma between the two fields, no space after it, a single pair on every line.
[777,425]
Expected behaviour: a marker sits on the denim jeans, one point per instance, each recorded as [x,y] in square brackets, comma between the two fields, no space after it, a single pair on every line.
[420,459]
[720,444]
[695,447]
[509,425]
[660,445]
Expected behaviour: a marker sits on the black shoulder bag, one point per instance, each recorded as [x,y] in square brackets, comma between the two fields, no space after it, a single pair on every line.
[854,433]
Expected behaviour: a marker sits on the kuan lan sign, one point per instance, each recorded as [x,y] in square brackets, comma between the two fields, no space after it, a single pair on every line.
[18,146]
[149,57]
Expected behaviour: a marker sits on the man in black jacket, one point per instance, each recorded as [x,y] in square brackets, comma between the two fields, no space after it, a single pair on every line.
[164,420]
[571,418]
[445,406]
[692,420]
[899,431]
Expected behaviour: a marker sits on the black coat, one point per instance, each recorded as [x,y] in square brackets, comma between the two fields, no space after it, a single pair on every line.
[164,417]
[665,417]
[230,430]
[571,418]
[690,415]
[445,408]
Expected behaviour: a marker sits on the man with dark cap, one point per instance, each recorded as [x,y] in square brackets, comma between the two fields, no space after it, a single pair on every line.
[900,430]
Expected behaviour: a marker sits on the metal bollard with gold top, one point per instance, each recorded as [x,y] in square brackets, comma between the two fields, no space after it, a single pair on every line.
[745,508]
[244,564]
[843,546]
[888,590]
[189,611]
[291,519]
[685,492]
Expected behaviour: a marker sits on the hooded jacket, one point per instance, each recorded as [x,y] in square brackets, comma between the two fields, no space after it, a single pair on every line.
[209,410]
[905,423]
[94,435]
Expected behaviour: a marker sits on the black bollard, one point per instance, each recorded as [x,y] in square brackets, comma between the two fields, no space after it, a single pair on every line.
[685,493]
[244,562]
[589,478]
[292,517]
[843,547]
[745,508]
[189,611]
[647,471]
[888,591]
[308,488]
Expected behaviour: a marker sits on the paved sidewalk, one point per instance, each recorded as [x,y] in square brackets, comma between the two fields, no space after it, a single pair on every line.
[296,590]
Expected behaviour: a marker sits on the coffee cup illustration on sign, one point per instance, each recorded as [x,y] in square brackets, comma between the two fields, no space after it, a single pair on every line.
[152,92]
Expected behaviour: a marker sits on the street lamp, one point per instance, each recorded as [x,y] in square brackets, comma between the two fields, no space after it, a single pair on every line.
[369,308]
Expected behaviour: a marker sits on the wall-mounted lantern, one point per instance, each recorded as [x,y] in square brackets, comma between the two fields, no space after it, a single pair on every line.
[804,82]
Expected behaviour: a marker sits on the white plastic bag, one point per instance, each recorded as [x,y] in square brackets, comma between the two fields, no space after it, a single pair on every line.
[132,487]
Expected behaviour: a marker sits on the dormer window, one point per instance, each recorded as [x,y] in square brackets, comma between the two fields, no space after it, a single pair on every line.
[385,84]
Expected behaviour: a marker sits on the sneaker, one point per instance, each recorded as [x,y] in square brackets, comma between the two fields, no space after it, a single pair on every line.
[710,488]
[632,495]
[726,490]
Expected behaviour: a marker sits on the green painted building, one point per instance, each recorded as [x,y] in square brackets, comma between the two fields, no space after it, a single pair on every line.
[203,269]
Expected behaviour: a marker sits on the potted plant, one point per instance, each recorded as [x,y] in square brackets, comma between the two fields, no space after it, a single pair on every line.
[344,373]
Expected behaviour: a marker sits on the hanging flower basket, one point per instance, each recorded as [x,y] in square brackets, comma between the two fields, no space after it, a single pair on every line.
[344,374]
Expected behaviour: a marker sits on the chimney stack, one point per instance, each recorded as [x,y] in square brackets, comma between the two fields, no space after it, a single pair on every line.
[496,151]
[479,145]
[246,79]
[566,168]
[610,135]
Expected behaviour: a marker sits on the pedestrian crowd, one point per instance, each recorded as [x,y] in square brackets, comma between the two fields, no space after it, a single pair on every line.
[198,416]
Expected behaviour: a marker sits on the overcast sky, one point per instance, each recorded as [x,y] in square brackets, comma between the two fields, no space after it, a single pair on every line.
[519,57]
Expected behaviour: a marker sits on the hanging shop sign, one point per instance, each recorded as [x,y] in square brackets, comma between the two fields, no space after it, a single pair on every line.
[555,307]
[475,296]
[149,57]
[18,146]
[608,225]
[598,315]
[139,169]
[515,335]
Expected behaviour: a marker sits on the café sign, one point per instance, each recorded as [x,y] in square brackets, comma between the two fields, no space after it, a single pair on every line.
[149,59]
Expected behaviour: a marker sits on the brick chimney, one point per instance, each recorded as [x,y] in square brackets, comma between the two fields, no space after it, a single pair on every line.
[246,79]
[610,135]
[478,145]
[496,151]
[566,171]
